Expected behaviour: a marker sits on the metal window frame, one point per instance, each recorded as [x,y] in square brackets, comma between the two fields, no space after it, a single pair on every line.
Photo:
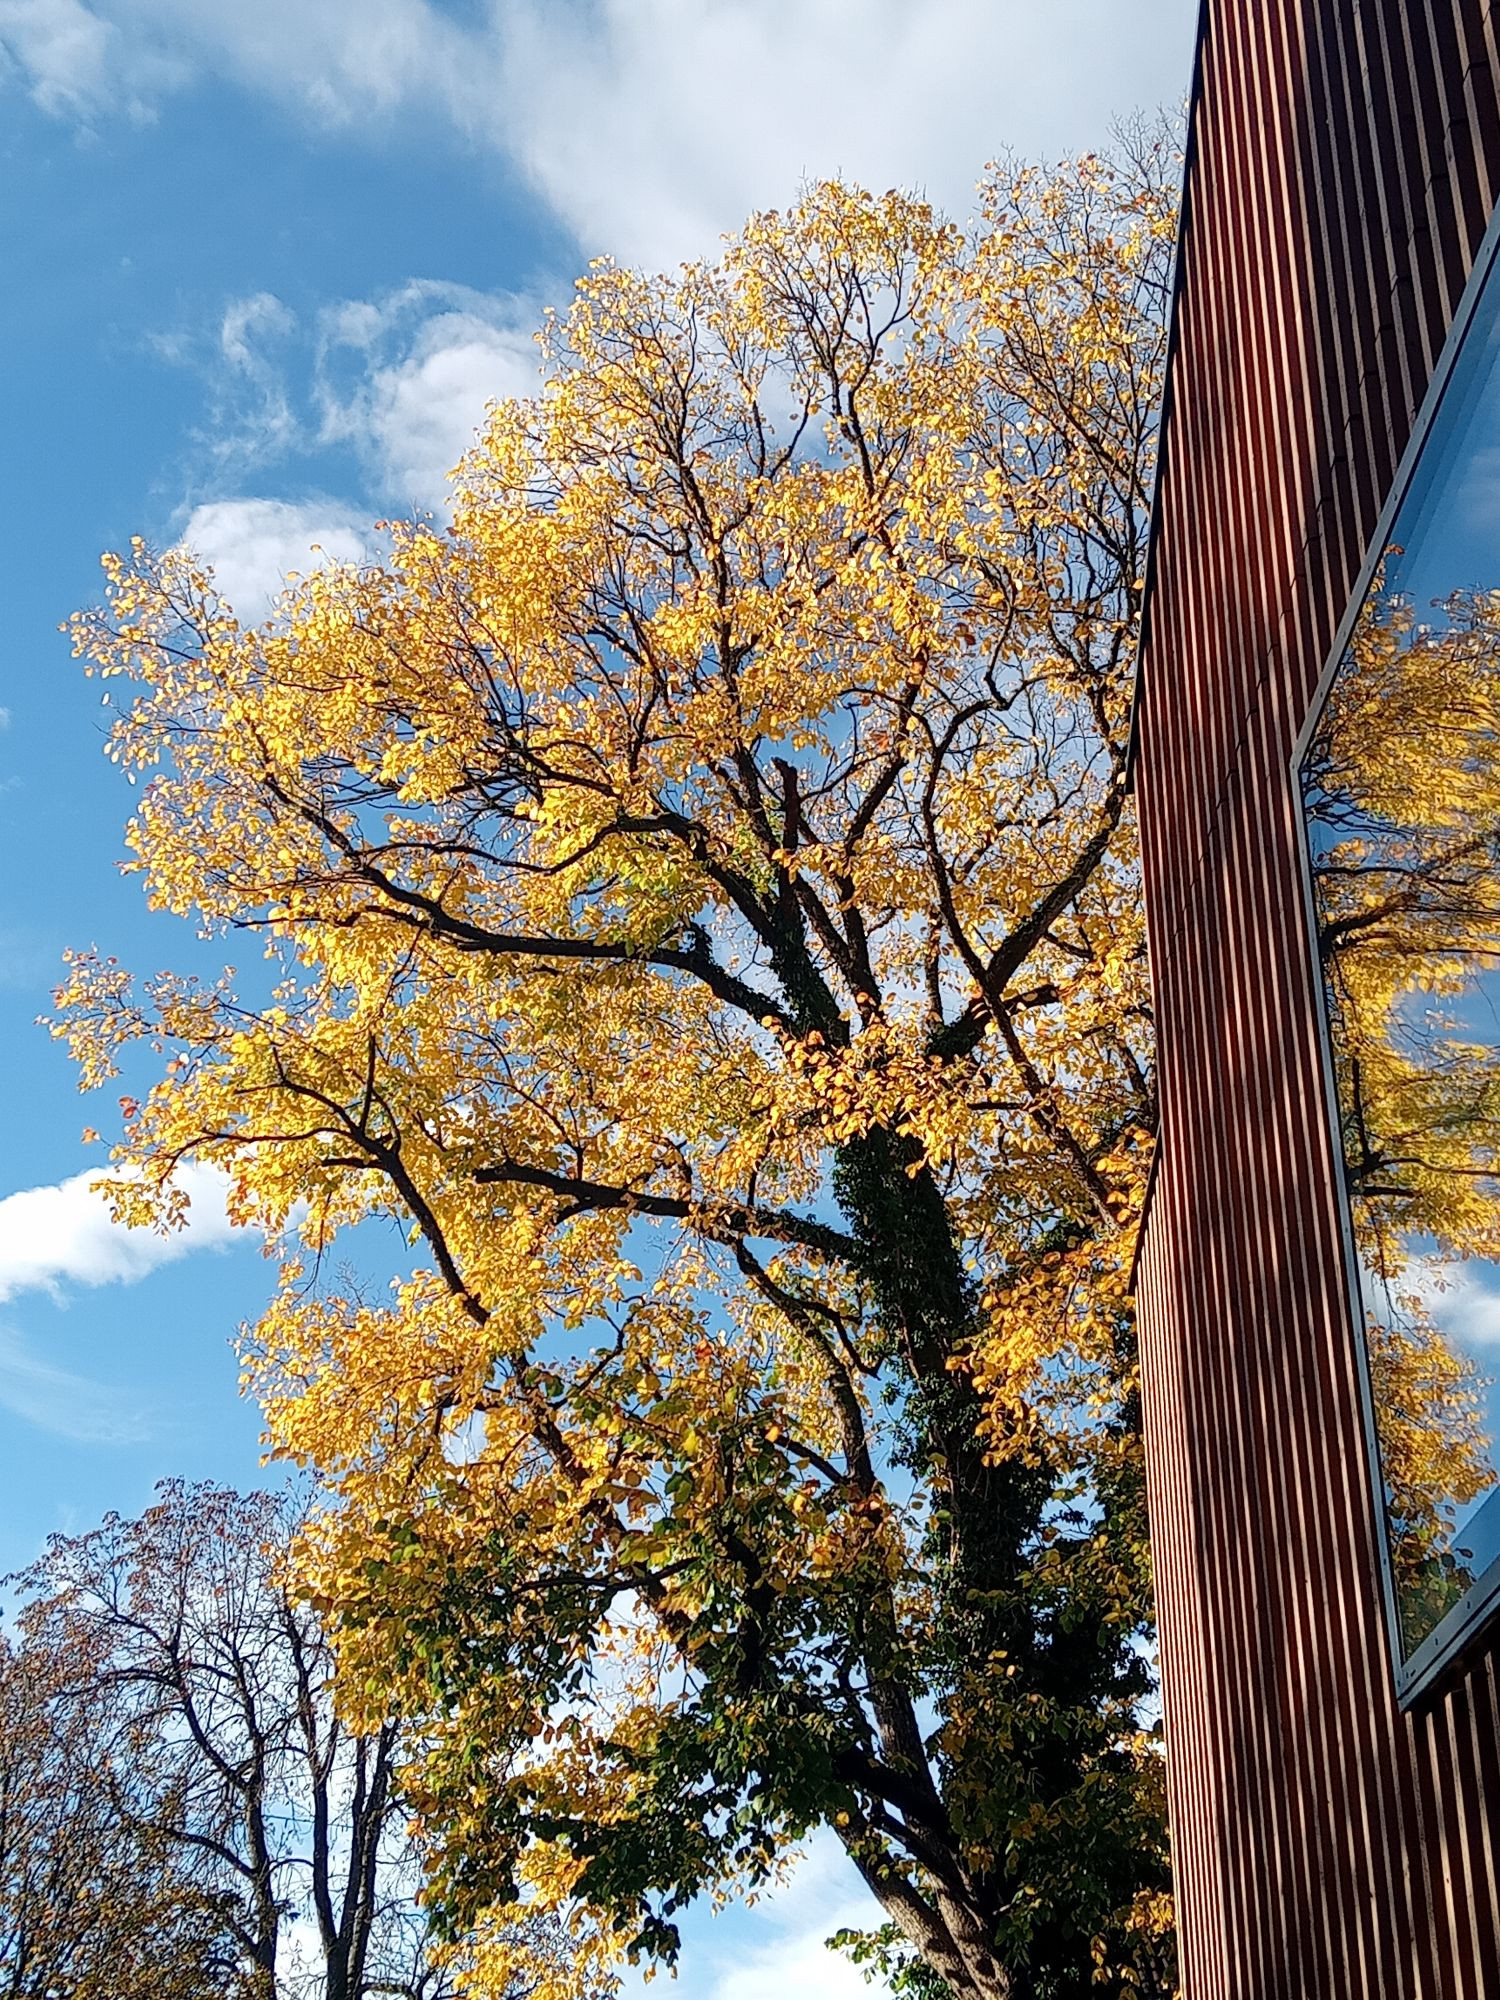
[1450,1638]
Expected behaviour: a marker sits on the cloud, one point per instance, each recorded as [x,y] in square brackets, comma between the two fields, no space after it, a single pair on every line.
[779,1949]
[252,546]
[797,1967]
[402,381]
[822,1895]
[51,1237]
[248,359]
[68,1405]
[246,322]
[653,125]
[425,362]
[76,63]
[1468,1307]
[648,125]
[337,61]
[264,424]
[1457,1292]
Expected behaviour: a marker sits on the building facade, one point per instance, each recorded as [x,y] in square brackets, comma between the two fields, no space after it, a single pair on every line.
[1328,1620]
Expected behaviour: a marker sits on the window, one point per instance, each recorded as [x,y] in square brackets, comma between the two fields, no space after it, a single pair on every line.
[1400,785]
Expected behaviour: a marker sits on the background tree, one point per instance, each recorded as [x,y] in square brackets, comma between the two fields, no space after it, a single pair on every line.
[187,1692]
[91,1908]
[703,910]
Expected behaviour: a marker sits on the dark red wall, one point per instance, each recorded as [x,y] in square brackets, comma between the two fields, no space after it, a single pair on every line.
[1341,174]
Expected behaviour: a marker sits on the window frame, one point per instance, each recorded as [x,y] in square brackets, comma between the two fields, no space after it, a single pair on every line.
[1429,1665]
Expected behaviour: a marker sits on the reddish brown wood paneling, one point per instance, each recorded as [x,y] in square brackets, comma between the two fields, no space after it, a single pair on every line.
[1344,161]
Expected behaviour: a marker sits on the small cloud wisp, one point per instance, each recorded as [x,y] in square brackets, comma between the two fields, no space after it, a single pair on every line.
[68,1405]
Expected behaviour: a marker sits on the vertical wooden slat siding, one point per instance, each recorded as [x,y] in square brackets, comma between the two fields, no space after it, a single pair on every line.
[1345,159]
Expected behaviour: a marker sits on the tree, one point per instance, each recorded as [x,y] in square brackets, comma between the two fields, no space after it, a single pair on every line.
[192,1691]
[90,1907]
[703,908]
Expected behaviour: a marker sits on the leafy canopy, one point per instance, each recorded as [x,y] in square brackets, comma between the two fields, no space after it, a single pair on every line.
[702,911]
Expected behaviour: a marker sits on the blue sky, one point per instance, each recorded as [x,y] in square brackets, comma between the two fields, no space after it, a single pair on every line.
[264,262]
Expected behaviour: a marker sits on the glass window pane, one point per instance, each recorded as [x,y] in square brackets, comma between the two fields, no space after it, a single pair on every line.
[1401,791]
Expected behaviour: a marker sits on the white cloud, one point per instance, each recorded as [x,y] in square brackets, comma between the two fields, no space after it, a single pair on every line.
[653,125]
[788,1958]
[794,1962]
[254,418]
[1478,1309]
[51,1237]
[403,381]
[68,1405]
[649,125]
[246,323]
[1462,1295]
[341,59]
[335,60]
[1467,1306]
[252,546]
[796,1967]
[428,360]
[69,58]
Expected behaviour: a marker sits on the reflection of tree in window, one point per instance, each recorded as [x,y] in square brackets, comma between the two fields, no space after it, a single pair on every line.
[1402,792]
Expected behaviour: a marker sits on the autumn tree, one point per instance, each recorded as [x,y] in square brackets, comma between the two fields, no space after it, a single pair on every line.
[91,1907]
[194,1690]
[702,909]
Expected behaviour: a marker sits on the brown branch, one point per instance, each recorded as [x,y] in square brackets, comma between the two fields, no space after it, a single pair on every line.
[725,1221]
